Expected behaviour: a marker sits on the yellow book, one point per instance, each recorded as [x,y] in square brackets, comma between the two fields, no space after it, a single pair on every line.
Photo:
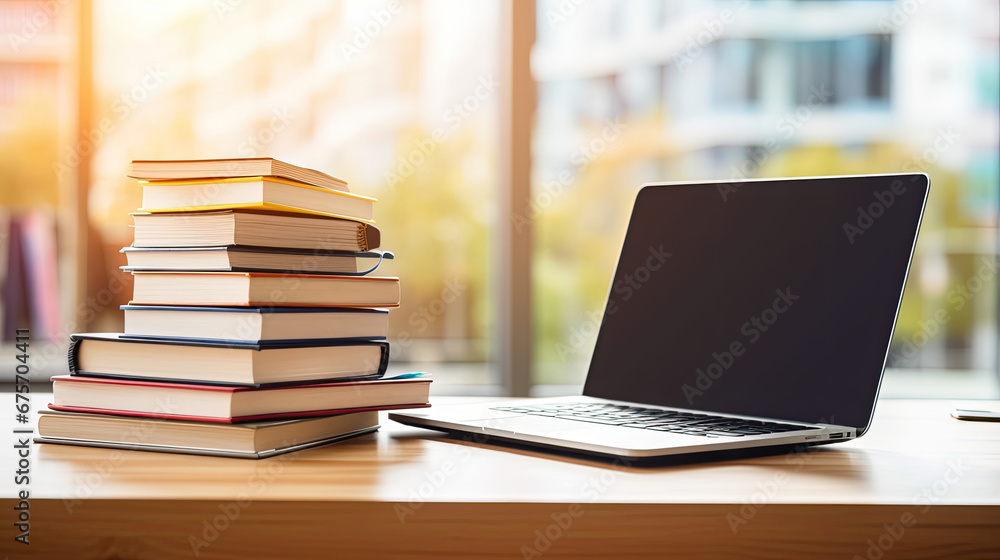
[171,170]
[261,193]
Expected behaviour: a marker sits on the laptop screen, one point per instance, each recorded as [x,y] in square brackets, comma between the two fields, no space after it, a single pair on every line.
[763,298]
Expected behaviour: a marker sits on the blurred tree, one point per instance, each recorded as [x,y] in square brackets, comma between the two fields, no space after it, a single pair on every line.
[945,225]
[434,219]
[579,226]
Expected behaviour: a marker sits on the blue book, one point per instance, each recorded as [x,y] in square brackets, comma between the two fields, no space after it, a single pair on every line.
[238,258]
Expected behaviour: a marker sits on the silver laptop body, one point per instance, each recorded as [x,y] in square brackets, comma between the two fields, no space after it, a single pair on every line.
[741,315]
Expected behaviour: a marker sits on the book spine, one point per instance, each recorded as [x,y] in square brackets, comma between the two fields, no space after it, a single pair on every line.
[74,350]
[384,362]
[372,237]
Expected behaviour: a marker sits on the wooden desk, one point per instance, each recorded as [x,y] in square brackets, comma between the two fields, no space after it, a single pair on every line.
[919,485]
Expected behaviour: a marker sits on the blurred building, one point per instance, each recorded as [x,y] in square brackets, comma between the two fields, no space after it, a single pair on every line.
[727,90]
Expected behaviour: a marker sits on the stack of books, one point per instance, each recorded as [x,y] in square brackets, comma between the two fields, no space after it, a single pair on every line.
[254,327]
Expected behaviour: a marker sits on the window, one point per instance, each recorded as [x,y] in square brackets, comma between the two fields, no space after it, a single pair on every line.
[407,103]
[757,90]
[855,69]
[399,99]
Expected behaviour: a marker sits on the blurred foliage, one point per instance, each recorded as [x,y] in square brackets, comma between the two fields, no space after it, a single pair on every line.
[941,228]
[579,234]
[437,223]
[579,226]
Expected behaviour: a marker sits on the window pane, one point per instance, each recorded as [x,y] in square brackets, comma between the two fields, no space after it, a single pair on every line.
[769,89]
[399,99]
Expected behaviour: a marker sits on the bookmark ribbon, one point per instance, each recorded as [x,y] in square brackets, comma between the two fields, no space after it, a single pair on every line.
[381,255]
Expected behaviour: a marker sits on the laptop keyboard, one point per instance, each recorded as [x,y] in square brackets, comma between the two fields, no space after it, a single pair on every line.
[688,423]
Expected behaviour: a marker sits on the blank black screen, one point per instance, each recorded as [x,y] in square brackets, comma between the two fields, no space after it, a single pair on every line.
[789,287]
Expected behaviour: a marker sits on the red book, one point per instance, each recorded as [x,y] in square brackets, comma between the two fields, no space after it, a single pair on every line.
[213,403]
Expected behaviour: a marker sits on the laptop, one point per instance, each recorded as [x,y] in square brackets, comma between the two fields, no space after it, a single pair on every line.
[741,315]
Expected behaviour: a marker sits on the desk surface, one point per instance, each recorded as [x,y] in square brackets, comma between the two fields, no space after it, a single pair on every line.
[401,487]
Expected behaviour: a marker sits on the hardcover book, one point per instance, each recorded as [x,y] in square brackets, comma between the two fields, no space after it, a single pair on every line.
[217,403]
[252,440]
[264,289]
[262,193]
[221,361]
[233,167]
[252,259]
[253,229]
[255,324]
